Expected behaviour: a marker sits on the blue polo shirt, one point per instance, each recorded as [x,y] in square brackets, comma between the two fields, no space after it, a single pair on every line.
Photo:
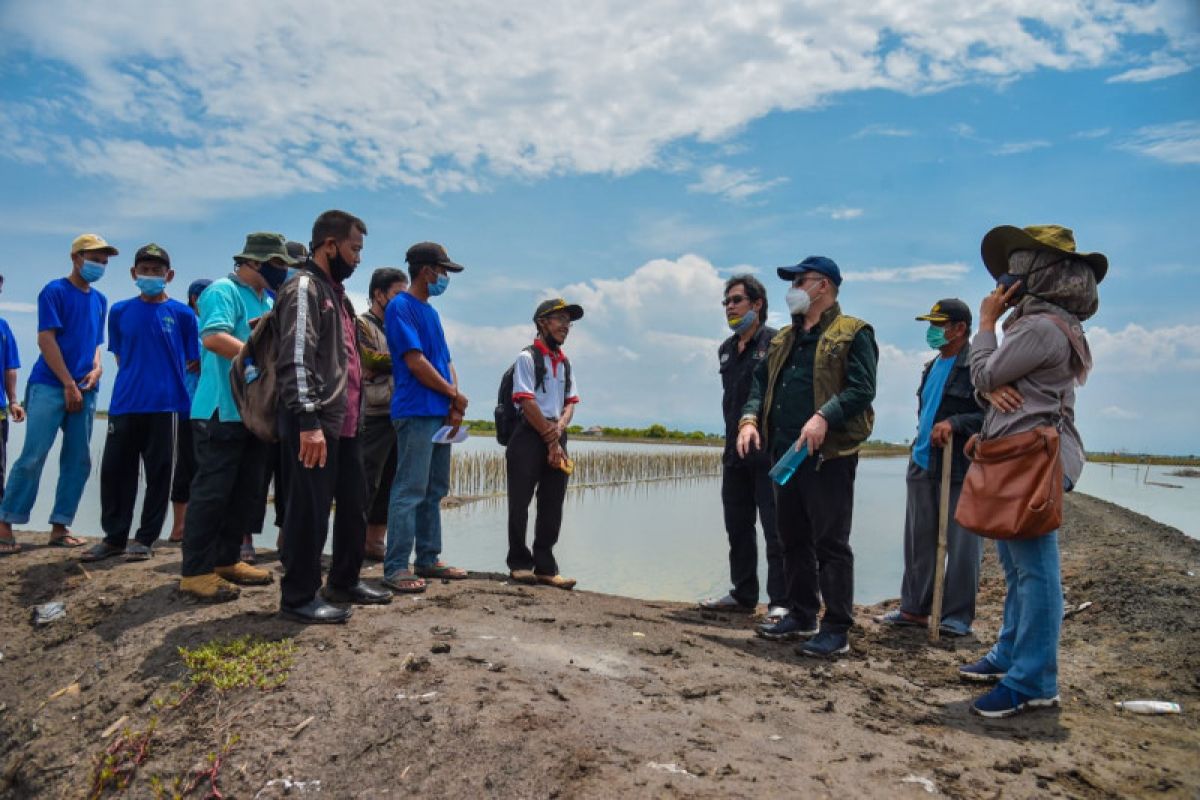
[9,358]
[411,324]
[77,319]
[153,343]
[226,306]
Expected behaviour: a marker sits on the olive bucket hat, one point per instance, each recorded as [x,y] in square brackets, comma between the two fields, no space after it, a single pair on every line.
[265,247]
[999,243]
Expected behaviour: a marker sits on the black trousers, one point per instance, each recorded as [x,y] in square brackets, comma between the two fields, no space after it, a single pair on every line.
[3,454]
[134,438]
[272,472]
[185,461]
[230,462]
[379,464]
[747,494]
[814,511]
[310,492]
[528,472]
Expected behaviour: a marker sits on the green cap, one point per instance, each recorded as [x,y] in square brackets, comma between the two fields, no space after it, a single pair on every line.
[264,246]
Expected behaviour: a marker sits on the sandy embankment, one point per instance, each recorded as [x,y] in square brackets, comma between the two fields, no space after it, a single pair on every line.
[545,693]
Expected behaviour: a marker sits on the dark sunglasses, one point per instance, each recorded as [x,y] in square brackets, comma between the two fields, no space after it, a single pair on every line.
[734,300]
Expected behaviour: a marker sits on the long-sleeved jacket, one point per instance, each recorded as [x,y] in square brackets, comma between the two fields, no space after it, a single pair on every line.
[961,407]
[311,367]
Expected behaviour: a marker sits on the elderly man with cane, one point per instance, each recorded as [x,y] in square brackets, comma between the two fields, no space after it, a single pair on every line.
[948,413]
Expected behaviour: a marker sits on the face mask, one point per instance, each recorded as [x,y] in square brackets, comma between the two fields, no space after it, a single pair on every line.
[273,275]
[151,285]
[740,325]
[798,301]
[439,286]
[340,268]
[935,337]
[91,271]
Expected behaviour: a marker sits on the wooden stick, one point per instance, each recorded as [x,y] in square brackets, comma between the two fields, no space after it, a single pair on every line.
[939,571]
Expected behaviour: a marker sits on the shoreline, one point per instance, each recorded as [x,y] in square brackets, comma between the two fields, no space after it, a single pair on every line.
[576,694]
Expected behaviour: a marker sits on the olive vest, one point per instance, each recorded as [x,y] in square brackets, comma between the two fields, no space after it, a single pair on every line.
[829,377]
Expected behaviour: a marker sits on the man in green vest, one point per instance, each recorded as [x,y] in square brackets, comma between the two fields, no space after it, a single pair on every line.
[814,391]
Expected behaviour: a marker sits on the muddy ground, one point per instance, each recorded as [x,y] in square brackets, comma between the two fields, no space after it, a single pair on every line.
[545,693]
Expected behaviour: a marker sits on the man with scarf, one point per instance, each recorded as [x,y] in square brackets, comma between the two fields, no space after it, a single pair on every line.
[320,390]
[813,392]
[1029,381]
[746,491]
[535,455]
[230,461]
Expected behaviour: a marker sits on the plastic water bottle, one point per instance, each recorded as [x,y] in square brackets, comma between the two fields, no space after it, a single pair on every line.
[786,466]
[251,371]
[1150,707]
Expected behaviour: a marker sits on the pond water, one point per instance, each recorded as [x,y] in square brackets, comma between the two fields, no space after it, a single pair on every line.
[666,540]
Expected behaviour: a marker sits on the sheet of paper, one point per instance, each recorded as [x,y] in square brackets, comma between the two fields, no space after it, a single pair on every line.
[443,435]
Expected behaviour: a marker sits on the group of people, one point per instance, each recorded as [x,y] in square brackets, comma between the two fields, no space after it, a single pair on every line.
[356,405]
[806,390]
[365,409]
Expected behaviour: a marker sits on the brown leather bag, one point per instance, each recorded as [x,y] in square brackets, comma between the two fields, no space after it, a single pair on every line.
[1014,486]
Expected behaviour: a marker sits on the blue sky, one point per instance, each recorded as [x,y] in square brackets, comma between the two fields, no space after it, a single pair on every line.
[631,157]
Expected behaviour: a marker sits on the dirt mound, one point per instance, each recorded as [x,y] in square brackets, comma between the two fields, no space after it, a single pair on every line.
[481,688]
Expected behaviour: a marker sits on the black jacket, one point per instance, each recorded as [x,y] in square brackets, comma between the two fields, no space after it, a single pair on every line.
[737,375]
[961,408]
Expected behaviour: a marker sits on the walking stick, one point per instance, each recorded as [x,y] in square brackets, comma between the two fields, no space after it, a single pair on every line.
[939,570]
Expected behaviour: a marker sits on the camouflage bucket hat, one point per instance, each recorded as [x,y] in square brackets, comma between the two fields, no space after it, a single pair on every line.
[266,247]
[1001,242]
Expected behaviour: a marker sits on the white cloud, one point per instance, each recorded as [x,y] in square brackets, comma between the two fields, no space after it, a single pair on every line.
[1174,143]
[1015,148]
[1093,133]
[923,272]
[18,308]
[1138,350]
[732,184]
[1165,68]
[221,99]
[837,212]
[883,129]
[1118,413]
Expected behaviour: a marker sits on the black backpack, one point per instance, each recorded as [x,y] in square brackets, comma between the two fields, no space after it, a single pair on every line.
[507,415]
[253,382]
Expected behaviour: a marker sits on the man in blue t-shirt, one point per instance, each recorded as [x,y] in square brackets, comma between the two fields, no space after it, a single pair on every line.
[61,394]
[10,362]
[227,489]
[154,340]
[947,415]
[425,397]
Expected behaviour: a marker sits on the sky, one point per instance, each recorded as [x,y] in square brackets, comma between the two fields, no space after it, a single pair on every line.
[632,156]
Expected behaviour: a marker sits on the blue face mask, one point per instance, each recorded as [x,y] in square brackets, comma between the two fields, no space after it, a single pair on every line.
[151,285]
[935,337]
[740,325]
[439,286]
[91,271]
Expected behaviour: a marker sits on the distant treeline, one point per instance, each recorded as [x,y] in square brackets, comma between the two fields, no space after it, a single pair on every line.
[1145,458]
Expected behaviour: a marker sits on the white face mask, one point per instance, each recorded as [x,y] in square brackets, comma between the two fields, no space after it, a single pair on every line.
[798,301]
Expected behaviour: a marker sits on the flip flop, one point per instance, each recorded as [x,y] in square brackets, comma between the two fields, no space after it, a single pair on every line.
[442,570]
[136,551]
[405,583]
[9,547]
[100,551]
[67,540]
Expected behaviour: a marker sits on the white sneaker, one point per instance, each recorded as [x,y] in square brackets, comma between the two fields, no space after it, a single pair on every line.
[776,613]
[726,603]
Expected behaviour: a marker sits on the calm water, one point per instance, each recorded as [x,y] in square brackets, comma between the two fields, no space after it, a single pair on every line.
[667,540]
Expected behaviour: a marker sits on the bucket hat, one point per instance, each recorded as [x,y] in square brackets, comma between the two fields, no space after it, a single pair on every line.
[263,246]
[1001,242]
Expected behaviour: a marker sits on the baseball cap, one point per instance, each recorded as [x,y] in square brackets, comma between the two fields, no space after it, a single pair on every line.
[821,264]
[152,252]
[197,286]
[90,241]
[558,304]
[431,253]
[297,251]
[949,310]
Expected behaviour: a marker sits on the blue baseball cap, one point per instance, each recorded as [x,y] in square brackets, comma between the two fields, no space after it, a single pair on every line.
[820,264]
[198,286]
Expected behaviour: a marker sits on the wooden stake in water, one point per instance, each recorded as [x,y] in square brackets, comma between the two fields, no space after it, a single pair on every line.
[939,569]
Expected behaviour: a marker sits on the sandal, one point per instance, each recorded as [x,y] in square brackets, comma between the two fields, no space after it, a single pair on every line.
[9,547]
[441,569]
[136,551]
[99,551]
[67,540]
[404,583]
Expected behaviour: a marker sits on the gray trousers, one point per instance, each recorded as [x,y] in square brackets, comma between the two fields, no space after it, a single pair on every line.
[964,550]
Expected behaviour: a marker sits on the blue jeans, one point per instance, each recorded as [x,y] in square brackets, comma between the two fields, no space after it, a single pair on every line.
[414,508]
[1027,648]
[46,410]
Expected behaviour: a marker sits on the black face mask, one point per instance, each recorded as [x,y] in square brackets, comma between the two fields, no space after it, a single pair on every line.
[340,268]
[273,275]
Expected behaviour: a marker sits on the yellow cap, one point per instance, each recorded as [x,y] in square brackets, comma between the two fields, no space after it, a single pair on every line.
[90,241]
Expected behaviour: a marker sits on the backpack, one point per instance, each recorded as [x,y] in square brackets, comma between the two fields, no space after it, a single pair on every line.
[253,382]
[508,416]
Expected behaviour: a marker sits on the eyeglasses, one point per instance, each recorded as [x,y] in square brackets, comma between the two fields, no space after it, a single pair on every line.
[733,300]
[800,279]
